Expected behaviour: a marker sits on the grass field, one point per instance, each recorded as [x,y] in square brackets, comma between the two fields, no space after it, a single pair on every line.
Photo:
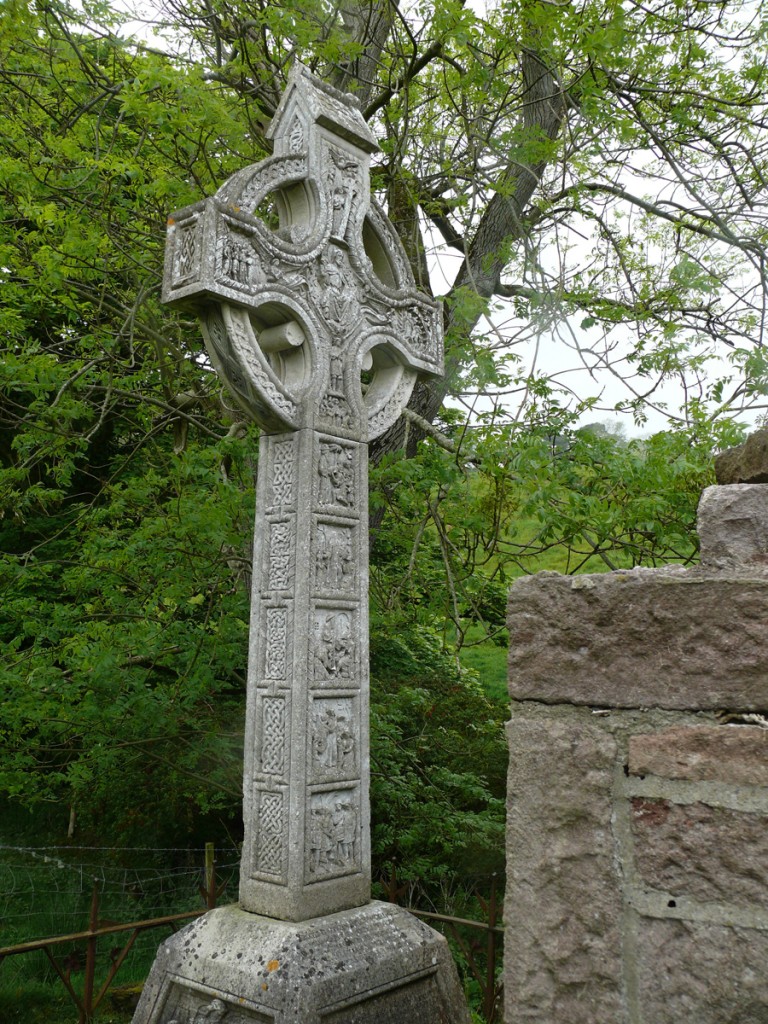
[489,661]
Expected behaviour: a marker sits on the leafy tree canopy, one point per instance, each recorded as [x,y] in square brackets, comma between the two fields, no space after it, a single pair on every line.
[592,171]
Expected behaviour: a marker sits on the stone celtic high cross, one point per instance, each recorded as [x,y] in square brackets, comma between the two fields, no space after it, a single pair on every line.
[315,324]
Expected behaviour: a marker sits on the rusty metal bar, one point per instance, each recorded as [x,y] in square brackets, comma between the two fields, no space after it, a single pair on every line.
[114,968]
[466,949]
[65,979]
[86,1013]
[156,922]
[483,925]
[491,995]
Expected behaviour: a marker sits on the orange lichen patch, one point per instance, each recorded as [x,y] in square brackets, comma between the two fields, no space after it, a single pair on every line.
[273,965]
[264,986]
[171,222]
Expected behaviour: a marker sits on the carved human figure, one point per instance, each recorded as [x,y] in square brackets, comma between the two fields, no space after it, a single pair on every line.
[334,557]
[335,647]
[236,260]
[346,751]
[336,472]
[326,739]
[344,822]
[344,191]
[333,742]
[213,1013]
[321,839]
[336,292]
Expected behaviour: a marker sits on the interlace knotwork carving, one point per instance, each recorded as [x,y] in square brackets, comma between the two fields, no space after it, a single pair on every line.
[280,556]
[273,736]
[283,473]
[270,833]
[277,642]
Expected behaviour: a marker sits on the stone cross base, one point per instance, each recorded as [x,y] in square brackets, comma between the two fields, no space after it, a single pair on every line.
[373,965]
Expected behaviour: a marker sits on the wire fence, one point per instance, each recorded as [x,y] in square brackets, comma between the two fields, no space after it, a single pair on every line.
[48,892]
[78,916]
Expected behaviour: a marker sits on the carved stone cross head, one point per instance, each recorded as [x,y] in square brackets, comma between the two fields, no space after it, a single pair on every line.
[303,288]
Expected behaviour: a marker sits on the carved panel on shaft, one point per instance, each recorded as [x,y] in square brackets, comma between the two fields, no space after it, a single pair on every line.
[270,833]
[334,834]
[336,471]
[335,558]
[283,474]
[280,555]
[333,646]
[334,738]
[276,645]
[273,735]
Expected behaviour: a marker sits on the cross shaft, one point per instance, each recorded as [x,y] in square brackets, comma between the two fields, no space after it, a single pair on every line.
[292,315]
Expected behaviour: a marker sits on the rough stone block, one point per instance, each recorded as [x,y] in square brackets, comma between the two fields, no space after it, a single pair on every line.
[745,464]
[373,965]
[701,973]
[721,753]
[732,524]
[667,638]
[711,854]
[563,909]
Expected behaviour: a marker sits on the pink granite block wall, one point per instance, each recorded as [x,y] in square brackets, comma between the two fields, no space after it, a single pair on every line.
[637,846]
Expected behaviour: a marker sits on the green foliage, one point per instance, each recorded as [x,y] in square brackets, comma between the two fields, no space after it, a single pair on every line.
[126,478]
[438,762]
[125,657]
[458,525]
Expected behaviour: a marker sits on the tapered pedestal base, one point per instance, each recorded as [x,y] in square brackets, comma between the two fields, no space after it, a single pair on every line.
[373,965]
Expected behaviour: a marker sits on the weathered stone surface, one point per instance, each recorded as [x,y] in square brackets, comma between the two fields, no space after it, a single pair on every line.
[562,909]
[702,974]
[722,753]
[745,464]
[732,524]
[667,638]
[707,853]
[290,317]
[371,965]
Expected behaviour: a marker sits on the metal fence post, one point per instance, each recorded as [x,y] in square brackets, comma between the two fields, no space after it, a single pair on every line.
[86,1014]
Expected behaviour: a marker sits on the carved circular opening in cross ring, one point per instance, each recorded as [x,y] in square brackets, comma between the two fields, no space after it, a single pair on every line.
[381,375]
[381,261]
[289,210]
[283,337]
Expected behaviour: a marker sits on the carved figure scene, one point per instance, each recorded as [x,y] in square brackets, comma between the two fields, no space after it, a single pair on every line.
[332,833]
[278,272]
[237,259]
[334,408]
[335,290]
[333,738]
[334,562]
[214,1012]
[337,475]
[334,646]
[343,191]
